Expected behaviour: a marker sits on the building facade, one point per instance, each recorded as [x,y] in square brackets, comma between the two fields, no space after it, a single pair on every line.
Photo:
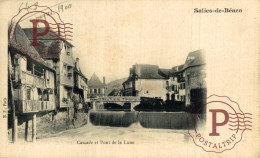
[194,72]
[176,85]
[145,81]
[60,55]
[80,83]
[31,81]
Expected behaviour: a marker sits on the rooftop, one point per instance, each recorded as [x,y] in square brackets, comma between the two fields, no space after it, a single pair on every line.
[145,71]
[19,42]
[49,44]
[95,82]
[195,58]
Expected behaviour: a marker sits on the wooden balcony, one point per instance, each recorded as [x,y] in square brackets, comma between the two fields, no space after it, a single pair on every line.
[32,79]
[67,104]
[181,79]
[68,81]
[67,59]
[30,106]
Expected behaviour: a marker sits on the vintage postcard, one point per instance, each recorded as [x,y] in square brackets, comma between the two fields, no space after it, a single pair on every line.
[129,78]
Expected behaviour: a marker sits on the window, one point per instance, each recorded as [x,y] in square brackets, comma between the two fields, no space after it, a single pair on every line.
[183,85]
[45,95]
[188,79]
[64,69]
[167,96]
[39,94]
[95,91]
[68,94]
[28,94]
[67,50]
[90,91]
[173,97]
[99,91]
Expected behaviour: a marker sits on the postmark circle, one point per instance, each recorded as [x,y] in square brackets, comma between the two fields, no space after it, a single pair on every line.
[46,47]
[224,126]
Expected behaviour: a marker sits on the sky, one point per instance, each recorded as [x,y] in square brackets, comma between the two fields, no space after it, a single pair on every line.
[111,36]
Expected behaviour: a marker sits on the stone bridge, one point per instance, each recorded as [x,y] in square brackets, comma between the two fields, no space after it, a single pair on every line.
[120,100]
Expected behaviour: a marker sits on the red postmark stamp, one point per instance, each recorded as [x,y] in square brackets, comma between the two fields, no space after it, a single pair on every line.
[39,39]
[224,126]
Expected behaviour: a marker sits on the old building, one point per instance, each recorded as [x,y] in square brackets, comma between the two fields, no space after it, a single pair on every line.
[194,73]
[59,54]
[145,81]
[176,85]
[96,87]
[31,80]
[80,83]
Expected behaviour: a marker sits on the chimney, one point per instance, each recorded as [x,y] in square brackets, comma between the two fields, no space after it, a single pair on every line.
[138,70]
[77,63]
[104,80]
[177,68]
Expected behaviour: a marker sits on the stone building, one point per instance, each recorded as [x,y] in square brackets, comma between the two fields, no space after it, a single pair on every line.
[96,87]
[145,81]
[176,85]
[59,54]
[80,83]
[194,72]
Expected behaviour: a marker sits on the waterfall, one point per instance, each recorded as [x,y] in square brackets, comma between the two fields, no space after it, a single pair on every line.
[164,120]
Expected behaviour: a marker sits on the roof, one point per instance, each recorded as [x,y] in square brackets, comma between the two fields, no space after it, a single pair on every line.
[51,35]
[95,82]
[49,44]
[148,71]
[79,71]
[165,72]
[128,80]
[195,58]
[176,70]
[21,44]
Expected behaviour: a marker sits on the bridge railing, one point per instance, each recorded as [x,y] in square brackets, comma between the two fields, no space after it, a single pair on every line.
[116,98]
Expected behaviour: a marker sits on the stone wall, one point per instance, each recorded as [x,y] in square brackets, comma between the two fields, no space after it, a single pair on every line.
[47,124]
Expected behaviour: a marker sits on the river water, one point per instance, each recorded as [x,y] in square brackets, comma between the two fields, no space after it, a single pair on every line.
[131,127]
[118,134]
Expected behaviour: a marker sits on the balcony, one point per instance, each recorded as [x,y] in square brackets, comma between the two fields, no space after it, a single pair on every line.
[67,59]
[66,104]
[32,79]
[181,79]
[30,106]
[67,80]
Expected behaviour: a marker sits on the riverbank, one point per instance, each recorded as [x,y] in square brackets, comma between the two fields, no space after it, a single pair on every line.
[48,125]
